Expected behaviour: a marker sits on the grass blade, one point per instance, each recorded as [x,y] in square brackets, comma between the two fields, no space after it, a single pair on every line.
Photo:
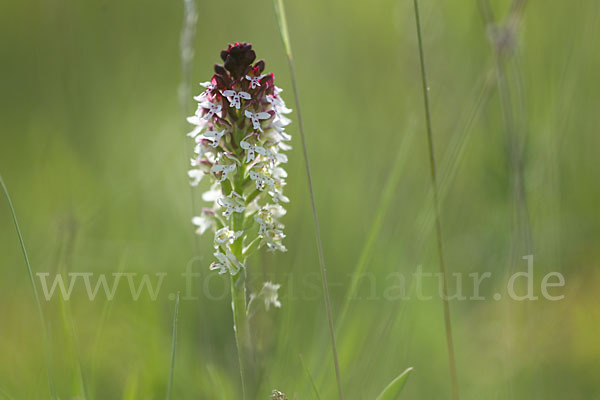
[282,22]
[436,204]
[173,348]
[310,377]
[106,311]
[393,390]
[46,342]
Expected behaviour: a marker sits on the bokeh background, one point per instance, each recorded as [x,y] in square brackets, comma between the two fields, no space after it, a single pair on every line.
[94,153]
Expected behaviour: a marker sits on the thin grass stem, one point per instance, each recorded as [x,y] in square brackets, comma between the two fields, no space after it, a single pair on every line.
[188,31]
[46,341]
[173,348]
[283,30]
[436,205]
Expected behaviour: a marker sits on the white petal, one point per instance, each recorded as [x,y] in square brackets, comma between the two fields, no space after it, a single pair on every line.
[263,115]
[196,131]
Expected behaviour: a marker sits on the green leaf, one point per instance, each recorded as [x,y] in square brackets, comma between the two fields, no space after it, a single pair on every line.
[393,390]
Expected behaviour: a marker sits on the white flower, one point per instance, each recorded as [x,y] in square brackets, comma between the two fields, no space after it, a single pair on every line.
[203,222]
[279,197]
[256,117]
[232,203]
[271,155]
[270,295]
[283,146]
[196,130]
[213,109]
[196,176]
[254,81]
[273,238]
[199,125]
[253,149]
[226,236]
[225,169]
[209,86]
[227,263]
[213,136]
[279,173]
[269,227]
[277,104]
[213,194]
[249,149]
[261,177]
[235,97]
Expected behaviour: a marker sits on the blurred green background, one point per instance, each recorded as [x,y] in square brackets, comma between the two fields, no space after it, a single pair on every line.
[94,153]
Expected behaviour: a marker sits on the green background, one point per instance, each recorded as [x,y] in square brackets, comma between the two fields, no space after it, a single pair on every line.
[94,153]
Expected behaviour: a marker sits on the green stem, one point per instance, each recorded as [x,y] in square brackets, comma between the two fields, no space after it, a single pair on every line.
[241,325]
[436,205]
[243,339]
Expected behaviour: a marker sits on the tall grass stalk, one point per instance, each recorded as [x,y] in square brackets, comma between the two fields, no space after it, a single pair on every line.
[45,338]
[436,205]
[503,42]
[283,30]
[106,311]
[186,41]
[511,104]
[173,348]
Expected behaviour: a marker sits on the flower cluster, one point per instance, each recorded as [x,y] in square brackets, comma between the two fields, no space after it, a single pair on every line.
[239,134]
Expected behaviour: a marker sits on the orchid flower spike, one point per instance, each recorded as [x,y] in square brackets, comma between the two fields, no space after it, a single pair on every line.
[240,139]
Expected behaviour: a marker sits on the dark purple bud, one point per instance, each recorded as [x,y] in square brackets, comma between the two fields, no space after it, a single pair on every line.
[259,66]
[238,57]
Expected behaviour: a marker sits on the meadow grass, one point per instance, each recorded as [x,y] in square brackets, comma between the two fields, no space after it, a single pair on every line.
[283,29]
[173,348]
[436,205]
[45,339]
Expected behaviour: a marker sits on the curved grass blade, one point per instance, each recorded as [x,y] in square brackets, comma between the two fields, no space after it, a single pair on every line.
[310,377]
[173,348]
[46,341]
[283,30]
[393,390]
[65,254]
